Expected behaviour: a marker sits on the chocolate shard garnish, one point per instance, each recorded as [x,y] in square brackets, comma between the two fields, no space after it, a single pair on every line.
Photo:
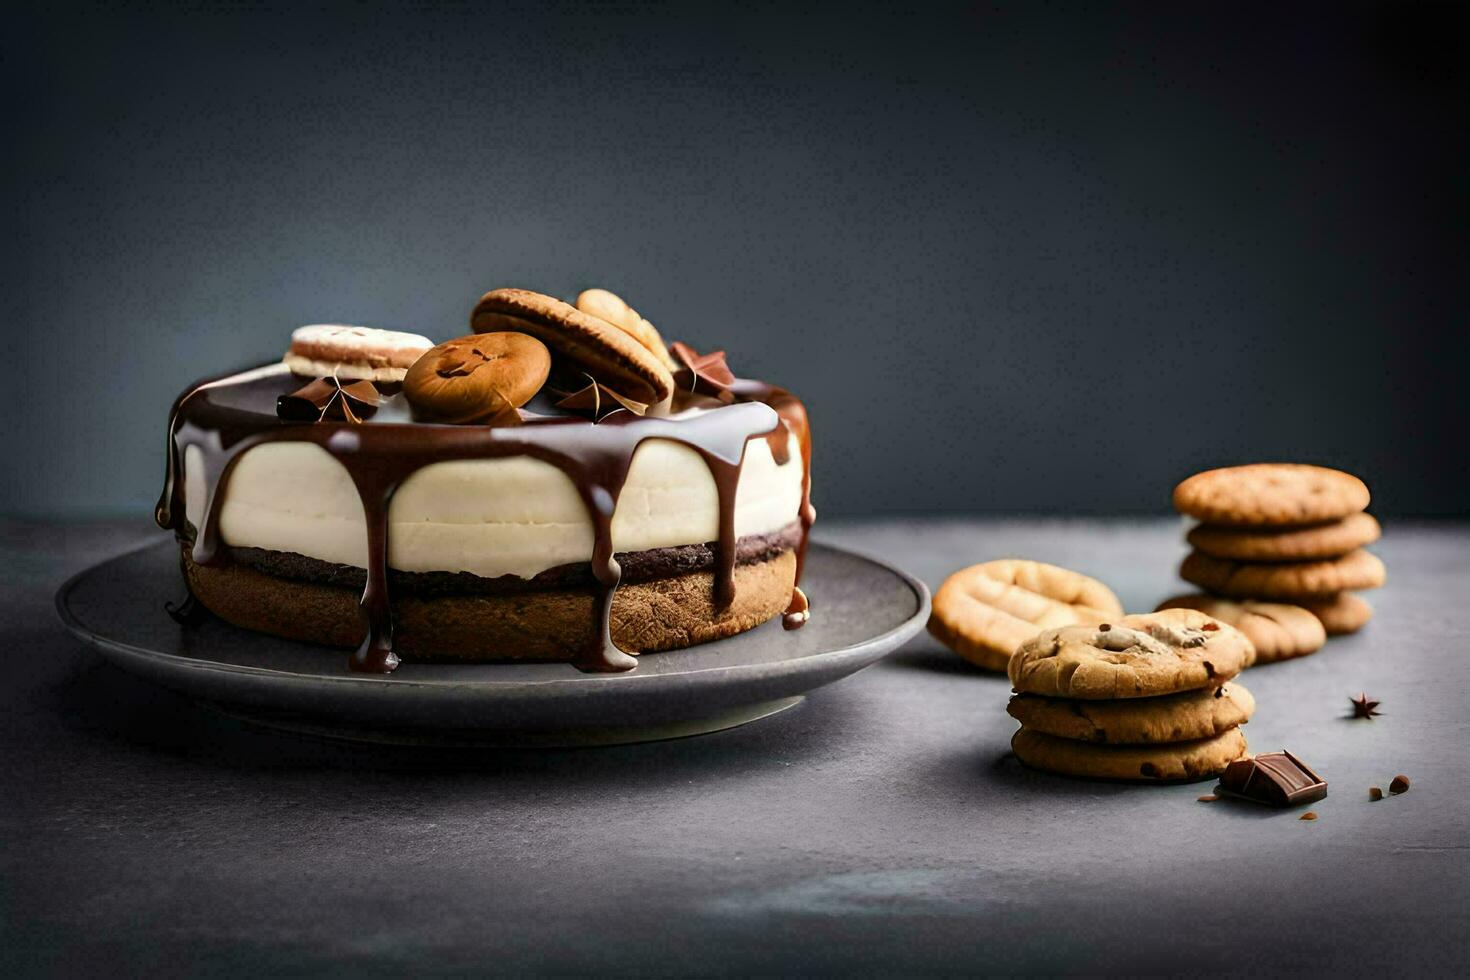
[600,400]
[705,373]
[1273,778]
[329,398]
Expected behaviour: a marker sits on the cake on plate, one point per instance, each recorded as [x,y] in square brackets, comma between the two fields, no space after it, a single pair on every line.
[558,484]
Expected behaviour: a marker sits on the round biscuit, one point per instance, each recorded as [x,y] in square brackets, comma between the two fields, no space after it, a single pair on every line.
[1270,494]
[985,611]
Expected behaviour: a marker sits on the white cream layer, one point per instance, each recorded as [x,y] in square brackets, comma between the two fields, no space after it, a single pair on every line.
[509,516]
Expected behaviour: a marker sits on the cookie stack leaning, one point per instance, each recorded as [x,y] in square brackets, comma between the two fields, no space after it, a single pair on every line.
[1279,553]
[1147,698]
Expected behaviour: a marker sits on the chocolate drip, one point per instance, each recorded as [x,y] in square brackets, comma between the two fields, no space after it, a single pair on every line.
[375,489]
[224,417]
[726,474]
[188,612]
[793,420]
[601,484]
[796,614]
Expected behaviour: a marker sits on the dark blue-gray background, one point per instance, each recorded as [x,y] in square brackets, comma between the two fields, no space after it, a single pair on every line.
[1015,257]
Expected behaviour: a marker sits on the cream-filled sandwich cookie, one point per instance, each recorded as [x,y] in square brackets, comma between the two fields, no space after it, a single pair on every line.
[321,350]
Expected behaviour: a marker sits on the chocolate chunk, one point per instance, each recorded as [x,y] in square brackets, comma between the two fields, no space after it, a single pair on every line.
[1375,794]
[1399,785]
[1273,778]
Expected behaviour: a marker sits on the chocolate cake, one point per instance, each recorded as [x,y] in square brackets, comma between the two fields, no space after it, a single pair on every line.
[556,486]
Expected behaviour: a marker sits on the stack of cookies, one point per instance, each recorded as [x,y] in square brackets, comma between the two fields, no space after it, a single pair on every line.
[1279,553]
[1148,698]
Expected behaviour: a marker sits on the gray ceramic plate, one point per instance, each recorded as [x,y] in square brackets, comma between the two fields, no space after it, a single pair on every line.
[861,610]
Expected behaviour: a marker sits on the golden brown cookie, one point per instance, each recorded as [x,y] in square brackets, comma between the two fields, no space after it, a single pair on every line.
[1270,493]
[1342,613]
[1276,630]
[332,350]
[1314,541]
[481,378]
[609,306]
[1283,580]
[985,611]
[1161,762]
[1172,718]
[588,343]
[1136,656]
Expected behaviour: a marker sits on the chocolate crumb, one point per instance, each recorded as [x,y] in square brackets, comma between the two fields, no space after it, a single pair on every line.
[1375,794]
[1309,815]
[1399,785]
[1105,627]
[1207,798]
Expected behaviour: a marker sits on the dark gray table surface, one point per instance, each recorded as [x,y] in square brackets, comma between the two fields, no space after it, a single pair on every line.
[878,828]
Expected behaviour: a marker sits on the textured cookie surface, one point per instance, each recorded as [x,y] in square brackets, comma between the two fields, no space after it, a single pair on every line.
[1278,631]
[1283,580]
[1172,718]
[1161,762]
[1315,541]
[323,350]
[1270,493]
[985,611]
[606,352]
[1132,657]
[1342,613]
[477,378]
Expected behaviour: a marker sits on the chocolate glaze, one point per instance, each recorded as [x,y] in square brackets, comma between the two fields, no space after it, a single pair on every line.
[225,416]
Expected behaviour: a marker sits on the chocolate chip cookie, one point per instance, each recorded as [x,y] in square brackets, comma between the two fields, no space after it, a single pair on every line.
[1172,718]
[1162,762]
[1132,657]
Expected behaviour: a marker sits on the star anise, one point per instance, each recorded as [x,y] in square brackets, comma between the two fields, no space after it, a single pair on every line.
[600,400]
[329,398]
[1363,708]
[707,371]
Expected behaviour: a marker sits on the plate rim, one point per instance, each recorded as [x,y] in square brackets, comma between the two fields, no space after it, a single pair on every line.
[892,638]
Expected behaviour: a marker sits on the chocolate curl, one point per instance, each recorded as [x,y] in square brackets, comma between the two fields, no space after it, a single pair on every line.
[329,398]
[708,371]
[591,398]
